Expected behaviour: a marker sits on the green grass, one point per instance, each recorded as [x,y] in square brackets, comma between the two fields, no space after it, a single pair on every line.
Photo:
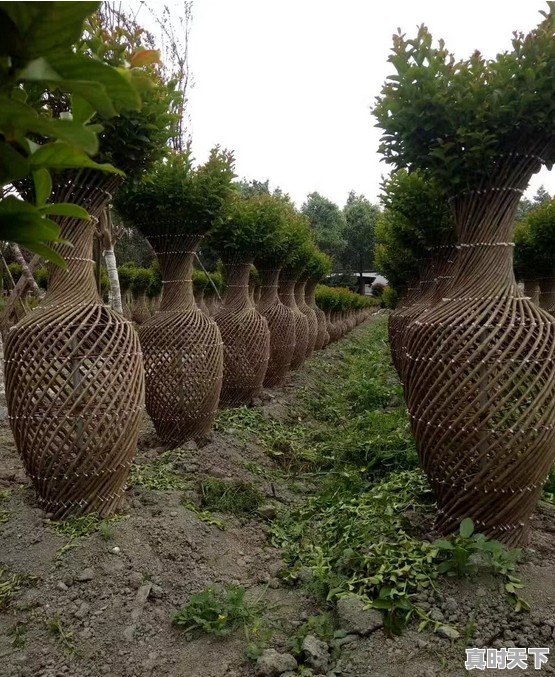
[236,497]
[85,525]
[361,531]
[222,611]
[351,417]
[10,585]
[160,475]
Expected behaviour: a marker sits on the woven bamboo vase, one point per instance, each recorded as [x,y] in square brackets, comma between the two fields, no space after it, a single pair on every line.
[287,296]
[480,375]
[322,336]
[140,313]
[182,348]
[281,323]
[74,377]
[246,339]
[308,312]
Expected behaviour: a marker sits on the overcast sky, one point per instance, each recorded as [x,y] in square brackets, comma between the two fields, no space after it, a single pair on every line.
[288,84]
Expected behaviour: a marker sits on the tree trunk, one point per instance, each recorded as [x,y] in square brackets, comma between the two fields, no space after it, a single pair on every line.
[26,271]
[115,291]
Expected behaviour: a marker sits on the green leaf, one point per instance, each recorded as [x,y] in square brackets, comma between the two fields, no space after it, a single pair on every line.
[47,253]
[61,155]
[65,209]
[467,528]
[23,223]
[81,109]
[18,118]
[47,27]
[118,87]
[13,165]
[43,186]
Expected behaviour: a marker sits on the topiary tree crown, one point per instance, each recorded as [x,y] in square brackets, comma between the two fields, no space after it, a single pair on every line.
[462,120]
[176,198]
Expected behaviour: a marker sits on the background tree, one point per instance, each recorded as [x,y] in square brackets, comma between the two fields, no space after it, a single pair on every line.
[526,205]
[361,217]
[416,216]
[535,252]
[328,223]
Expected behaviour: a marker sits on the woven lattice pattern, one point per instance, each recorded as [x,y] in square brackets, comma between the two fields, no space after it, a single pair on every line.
[322,336]
[308,312]
[436,278]
[281,323]
[182,349]
[141,312]
[480,379]
[246,339]
[74,378]
[287,296]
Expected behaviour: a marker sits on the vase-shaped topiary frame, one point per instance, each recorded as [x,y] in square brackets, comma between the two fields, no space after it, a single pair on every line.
[245,336]
[74,375]
[182,346]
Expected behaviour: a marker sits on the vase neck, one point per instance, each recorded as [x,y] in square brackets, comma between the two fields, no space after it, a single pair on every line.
[77,283]
[485,222]
[300,287]
[287,292]
[268,288]
[176,254]
[237,286]
[310,291]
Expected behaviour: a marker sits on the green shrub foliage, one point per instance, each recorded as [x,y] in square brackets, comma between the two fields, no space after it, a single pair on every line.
[252,225]
[535,243]
[176,197]
[416,217]
[454,118]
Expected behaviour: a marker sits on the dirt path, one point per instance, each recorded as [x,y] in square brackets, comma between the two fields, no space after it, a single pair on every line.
[101,604]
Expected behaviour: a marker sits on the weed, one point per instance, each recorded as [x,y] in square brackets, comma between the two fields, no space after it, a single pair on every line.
[464,554]
[62,636]
[203,515]
[161,475]
[85,525]
[221,612]
[238,497]
[321,625]
[17,635]
[10,585]
[357,418]
[4,516]
[5,494]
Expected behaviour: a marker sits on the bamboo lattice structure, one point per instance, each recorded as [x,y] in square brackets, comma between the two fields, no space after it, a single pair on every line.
[246,339]
[480,372]
[74,375]
[281,323]
[287,296]
[182,347]
[322,336]
[141,312]
[308,312]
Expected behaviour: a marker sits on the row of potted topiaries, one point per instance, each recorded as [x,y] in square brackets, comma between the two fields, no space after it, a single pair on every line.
[75,369]
[200,354]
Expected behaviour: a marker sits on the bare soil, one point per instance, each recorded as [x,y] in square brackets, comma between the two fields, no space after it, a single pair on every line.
[113,595]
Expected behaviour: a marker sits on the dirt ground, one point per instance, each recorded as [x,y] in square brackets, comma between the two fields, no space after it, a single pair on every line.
[103,605]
